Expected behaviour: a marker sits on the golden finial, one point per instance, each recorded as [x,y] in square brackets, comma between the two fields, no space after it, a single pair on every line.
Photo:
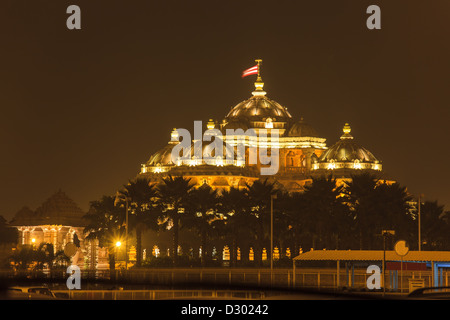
[210,125]
[259,84]
[347,128]
[346,131]
[174,135]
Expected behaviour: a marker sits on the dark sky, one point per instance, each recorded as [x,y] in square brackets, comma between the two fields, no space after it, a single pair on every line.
[82,109]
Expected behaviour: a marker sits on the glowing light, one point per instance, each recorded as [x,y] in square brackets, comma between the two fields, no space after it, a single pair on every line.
[264,254]
[174,135]
[157,170]
[118,244]
[226,253]
[33,240]
[210,125]
[276,253]
[331,165]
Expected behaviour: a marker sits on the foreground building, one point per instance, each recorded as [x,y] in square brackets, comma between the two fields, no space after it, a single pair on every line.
[59,221]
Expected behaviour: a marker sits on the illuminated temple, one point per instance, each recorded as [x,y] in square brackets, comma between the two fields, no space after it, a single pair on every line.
[303,153]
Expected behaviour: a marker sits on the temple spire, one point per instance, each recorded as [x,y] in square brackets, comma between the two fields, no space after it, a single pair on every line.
[259,84]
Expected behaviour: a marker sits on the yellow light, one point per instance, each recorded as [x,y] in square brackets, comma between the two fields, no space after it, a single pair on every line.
[118,244]
[33,240]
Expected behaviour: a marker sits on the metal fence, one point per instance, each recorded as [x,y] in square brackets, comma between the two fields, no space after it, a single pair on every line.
[156,294]
[322,278]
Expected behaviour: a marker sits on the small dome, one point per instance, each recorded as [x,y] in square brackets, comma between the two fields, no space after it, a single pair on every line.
[347,150]
[161,157]
[302,129]
[347,154]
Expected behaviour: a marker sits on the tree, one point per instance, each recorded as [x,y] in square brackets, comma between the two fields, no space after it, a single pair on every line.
[7,234]
[202,210]
[326,215]
[434,226]
[362,200]
[44,256]
[296,233]
[142,197]
[173,194]
[23,257]
[393,210]
[259,195]
[235,207]
[105,224]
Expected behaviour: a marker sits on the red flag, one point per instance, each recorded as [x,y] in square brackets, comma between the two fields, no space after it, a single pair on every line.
[249,71]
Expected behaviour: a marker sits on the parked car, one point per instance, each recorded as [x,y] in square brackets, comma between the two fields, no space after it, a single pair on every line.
[34,292]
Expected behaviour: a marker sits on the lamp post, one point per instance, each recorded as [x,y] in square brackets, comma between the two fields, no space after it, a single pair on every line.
[273,196]
[418,216]
[385,233]
[117,250]
[120,197]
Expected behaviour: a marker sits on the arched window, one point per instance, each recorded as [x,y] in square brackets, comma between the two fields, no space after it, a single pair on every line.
[290,159]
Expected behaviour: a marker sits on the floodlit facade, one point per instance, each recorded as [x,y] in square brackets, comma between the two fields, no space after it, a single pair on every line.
[59,221]
[302,152]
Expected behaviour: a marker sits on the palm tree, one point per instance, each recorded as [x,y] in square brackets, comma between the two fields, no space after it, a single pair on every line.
[104,223]
[142,197]
[202,210]
[234,204]
[393,210]
[326,215]
[296,218]
[259,195]
[434,226]
[362,199]
[173,194]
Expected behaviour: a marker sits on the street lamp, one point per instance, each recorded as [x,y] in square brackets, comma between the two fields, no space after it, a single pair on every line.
[121,197]
[418,216]
[385,233]
[118,244]
[273,196]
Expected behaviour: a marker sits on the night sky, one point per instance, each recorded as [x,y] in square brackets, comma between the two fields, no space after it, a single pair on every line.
[82,109]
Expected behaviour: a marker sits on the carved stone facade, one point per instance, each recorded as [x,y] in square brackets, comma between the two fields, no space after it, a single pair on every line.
[302,153]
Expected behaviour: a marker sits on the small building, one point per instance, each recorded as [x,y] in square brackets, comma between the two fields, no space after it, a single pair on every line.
[434,262]
[59,221]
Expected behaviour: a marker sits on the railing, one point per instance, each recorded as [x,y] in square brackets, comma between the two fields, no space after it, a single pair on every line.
[156,294]
[324,278]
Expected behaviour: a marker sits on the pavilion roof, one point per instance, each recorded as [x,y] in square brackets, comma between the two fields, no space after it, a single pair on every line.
[371,255]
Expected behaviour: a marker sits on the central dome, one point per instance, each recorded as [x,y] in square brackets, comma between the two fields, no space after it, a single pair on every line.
[259,108]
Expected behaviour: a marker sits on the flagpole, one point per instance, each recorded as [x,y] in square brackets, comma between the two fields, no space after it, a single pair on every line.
[259,61]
